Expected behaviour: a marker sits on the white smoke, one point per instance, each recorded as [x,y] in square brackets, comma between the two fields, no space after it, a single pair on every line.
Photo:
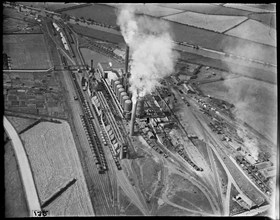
[151,45]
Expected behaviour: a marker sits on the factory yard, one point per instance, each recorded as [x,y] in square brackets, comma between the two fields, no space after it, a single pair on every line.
[121,117]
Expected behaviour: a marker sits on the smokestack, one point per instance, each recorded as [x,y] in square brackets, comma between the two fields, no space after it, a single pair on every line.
[91,64]
[126,59]
[133,116]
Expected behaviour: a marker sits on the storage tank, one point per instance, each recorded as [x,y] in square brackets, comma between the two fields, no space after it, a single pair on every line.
[127,105]
[117,82]
[123,94]
[140,107]
[127,115]
[121,91]
[118,88]
[124,98]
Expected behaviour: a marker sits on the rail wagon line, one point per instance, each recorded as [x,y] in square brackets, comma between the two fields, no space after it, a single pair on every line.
[91,133]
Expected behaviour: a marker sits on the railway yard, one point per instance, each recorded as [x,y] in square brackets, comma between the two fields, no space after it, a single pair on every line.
[199,144]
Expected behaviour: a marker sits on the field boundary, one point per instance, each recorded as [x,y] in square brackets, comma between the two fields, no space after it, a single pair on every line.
[235,26]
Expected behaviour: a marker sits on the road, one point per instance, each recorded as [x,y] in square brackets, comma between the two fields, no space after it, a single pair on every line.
[24,168]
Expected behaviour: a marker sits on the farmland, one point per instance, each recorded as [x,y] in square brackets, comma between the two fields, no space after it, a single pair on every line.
[251,7]
[27,51]
[34,93]
[255,31]
[54,162]
[101,35]
[267,18]
[52,6]
[151,9]
[97,12]
[15,201]
[205,9]
[217,23]
[194,35]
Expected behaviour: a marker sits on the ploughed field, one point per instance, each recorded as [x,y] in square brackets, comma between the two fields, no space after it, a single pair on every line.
[27,51]
[54,163]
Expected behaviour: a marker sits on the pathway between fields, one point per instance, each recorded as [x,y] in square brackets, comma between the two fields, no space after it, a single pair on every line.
[24,168]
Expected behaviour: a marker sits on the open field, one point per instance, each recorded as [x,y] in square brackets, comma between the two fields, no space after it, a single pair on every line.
[218,23]
[267,18]
[97,12]
[252,7]
[15,201]
[54,161]
[255,31]
[100,35]
[205,8]
[181,32]
[34,93]
[255,102]
[20,123]
[13,25]
[49,5]
[148,9]
[182,191]
[247,71]
[27,51]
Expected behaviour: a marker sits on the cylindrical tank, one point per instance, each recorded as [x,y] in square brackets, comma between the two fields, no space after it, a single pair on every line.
[140,107]
[121,90]
[117,82]
[127,105]
[124,98]
[129,94]
[123,94]
[118,90]
[127,115]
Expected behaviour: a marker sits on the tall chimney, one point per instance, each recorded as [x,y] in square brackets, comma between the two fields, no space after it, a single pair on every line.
[91,64]
[126,59]
[134,105]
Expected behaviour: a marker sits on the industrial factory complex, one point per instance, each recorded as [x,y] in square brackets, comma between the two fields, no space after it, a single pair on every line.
[122,110]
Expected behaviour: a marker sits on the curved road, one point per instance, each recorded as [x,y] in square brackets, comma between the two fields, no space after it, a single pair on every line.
[24,168]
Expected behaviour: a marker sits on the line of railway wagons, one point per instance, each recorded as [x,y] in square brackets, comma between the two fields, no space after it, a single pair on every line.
[94,142]
[65,36]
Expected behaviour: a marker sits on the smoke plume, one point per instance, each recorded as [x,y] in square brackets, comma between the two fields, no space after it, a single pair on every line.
[150,44]
[254,100]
